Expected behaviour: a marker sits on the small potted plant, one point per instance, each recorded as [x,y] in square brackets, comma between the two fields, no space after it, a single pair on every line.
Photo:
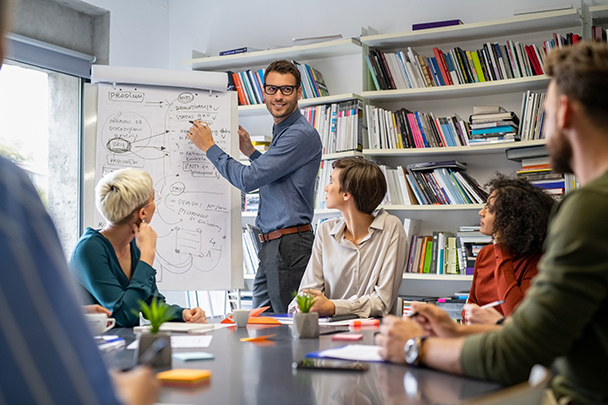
[157,313]
[305,323]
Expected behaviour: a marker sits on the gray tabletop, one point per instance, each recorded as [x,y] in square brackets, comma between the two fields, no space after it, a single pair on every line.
[261,374]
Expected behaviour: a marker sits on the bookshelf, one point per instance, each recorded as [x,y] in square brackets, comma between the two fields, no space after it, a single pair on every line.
[482,160]
[344,68]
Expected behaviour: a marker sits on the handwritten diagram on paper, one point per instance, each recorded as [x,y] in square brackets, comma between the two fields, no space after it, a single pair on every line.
[145,127]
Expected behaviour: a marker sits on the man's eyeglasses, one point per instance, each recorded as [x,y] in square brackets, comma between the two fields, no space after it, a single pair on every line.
[286,90]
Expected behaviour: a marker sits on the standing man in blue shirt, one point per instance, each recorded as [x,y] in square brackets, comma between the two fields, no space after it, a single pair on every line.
[285,175]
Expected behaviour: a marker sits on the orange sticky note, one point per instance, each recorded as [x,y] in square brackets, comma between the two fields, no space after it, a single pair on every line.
[257,338]
[257,311]
[184,377]
[263,320]
[227,320]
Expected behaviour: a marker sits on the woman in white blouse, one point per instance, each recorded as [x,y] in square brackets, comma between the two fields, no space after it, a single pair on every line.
[358,260]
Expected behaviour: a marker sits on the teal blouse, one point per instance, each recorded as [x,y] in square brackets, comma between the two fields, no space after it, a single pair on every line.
[97,268]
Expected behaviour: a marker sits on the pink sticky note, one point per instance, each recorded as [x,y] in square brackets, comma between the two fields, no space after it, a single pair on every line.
[347,336]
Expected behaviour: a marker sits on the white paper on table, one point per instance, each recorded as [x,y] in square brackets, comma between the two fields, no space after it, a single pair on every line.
[353,352]
[182,342]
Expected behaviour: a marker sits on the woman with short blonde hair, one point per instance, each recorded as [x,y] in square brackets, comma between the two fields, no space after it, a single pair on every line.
[114,264]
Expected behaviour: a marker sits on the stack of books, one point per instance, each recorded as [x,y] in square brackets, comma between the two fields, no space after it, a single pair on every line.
[491,62]
[340,125]
[533,116]
[404,129]
[493,124]
[443,183]
[469,242]
[313,84]
[249,86]
[537,170]
[251,247]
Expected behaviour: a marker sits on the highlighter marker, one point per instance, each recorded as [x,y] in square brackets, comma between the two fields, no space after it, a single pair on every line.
[364,322]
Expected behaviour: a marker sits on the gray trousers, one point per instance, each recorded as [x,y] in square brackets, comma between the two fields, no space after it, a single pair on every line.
[282,265]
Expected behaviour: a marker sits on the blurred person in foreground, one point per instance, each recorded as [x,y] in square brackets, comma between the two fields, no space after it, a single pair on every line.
[46,349]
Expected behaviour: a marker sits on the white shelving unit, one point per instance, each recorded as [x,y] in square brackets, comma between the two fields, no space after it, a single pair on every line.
[461,90]
[260,109]
[323,50]
[523,24]
[599,14]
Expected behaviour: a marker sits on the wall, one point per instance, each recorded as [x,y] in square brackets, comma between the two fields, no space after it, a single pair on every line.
[139,32]
[212,26]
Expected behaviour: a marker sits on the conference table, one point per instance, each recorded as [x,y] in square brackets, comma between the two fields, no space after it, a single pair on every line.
[261,373]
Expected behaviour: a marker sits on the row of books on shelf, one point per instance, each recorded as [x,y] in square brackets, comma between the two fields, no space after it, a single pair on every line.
[249,86]
[533,116]
[419,184]
[339,125]
[432,183]
[491,62]
[403,129]
[446,252]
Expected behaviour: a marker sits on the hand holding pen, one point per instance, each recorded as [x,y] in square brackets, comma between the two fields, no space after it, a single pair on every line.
[485,314]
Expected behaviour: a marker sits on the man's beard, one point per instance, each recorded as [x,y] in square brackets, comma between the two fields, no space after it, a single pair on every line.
[560,152]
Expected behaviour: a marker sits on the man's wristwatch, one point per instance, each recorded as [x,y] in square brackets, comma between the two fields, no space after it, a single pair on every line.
[413,349]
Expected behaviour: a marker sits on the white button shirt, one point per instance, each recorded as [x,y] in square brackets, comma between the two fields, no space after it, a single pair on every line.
[363,279]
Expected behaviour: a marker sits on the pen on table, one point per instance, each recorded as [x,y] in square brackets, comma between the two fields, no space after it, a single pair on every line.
[492,304]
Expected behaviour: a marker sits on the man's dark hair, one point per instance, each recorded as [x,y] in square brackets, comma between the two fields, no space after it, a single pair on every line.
[284,67]
[521,213]
[581,73]
[363,180]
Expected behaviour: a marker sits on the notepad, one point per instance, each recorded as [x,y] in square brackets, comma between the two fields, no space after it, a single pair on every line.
[350,352]
[179,327]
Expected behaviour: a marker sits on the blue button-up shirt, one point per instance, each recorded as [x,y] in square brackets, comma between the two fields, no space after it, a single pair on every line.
[285,174]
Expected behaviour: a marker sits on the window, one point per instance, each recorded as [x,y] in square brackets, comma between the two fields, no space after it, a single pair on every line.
[40,121]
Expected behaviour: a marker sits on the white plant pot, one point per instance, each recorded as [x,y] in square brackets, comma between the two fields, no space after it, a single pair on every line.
[305,326]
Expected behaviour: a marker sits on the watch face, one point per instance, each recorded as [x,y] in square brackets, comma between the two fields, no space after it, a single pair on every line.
[411,351]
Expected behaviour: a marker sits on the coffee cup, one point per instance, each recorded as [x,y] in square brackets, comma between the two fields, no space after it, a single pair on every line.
[240,317]
[99,323]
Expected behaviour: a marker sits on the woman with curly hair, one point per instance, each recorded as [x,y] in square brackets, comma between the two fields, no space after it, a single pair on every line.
[516,216]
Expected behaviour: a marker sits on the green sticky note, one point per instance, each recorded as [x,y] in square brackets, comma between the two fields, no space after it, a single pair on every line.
[192,356]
